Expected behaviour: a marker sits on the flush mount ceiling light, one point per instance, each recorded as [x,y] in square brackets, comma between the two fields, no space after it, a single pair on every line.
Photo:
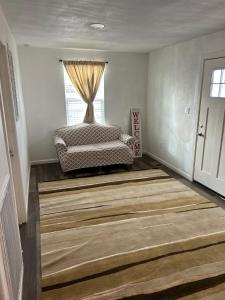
[98,26]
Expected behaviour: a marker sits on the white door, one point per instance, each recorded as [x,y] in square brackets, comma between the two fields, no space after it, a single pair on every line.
[7,111]
[11,262]
[210,151]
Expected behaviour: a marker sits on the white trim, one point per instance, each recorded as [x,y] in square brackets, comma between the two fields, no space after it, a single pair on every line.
[214,55]
[20,293]
[175,169]
[44,161]
[27,191]
[197,103]
[4,189]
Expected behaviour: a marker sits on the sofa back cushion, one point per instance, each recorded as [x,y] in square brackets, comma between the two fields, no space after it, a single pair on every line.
[84,134]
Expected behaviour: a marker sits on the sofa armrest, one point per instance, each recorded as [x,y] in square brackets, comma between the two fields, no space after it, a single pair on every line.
[60,144]
[127,139]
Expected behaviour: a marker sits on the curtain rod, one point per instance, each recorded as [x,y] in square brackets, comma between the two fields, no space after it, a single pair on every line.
[106,62]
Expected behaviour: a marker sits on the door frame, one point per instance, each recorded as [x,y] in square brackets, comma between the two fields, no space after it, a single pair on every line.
[11,139]
[203,59]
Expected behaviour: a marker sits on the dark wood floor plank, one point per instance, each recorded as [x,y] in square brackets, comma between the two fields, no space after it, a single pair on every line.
[30,239]
[30,236]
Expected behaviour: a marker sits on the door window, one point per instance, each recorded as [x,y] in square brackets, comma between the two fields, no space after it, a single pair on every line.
[217,86]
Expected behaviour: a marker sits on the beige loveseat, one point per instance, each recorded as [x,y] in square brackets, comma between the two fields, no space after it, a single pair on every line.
[91,145]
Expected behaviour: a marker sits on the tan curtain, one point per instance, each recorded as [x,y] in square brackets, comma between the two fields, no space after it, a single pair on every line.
[86,77]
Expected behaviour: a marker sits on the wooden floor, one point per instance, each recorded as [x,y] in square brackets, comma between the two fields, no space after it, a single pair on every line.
[30,231]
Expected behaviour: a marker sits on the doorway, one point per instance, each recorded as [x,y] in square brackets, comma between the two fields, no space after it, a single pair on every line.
[210,150]
[7,110]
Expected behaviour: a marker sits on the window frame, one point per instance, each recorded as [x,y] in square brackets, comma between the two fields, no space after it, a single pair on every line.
[100,97]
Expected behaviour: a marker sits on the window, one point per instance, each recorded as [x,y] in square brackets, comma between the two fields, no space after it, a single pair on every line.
[76,107]
[217,87]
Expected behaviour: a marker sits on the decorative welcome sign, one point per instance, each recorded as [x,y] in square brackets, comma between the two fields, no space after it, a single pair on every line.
[136,131]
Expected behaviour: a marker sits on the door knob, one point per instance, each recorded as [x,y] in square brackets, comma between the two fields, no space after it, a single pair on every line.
[11,153]
[200,134]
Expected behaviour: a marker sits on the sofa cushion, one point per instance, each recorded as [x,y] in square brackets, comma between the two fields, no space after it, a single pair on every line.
[97,147]
[101,154]
[84,134]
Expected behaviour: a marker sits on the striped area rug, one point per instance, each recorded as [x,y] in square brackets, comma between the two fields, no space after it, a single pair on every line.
[131,235]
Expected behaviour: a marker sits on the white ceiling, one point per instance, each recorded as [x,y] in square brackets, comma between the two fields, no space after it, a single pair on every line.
[130,25]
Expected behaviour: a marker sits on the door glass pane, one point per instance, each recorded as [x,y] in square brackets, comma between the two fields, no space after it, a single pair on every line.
[216,76]
[215,90]
[222,90]
[223,76]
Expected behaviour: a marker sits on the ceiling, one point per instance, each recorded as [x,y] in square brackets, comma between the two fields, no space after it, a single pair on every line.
[130,25]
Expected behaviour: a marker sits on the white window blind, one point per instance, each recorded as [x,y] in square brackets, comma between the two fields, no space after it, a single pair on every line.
[76,107]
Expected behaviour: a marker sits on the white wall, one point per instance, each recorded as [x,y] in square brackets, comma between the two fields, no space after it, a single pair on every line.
[7,38]
[174,79]
[43,88]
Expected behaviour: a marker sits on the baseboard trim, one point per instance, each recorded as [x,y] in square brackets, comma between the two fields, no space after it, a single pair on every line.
[27,191]
[175,169]
[44,161]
